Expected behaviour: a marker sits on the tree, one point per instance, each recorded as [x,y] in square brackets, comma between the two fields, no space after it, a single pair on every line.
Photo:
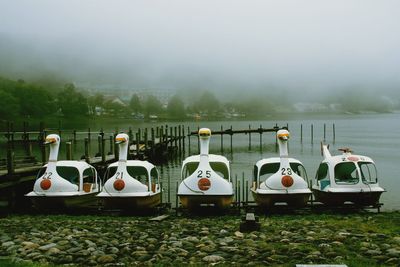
[207,103]
[9,105]
[34,101]
[152,105]
[135,105]
[176,108]
[72,102]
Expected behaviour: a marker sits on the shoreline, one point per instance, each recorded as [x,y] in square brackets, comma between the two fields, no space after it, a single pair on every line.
[355,239]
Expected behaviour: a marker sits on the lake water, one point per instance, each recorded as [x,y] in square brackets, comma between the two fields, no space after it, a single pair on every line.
[374,135]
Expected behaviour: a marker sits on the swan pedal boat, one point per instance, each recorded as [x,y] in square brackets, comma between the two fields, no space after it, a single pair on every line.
[346,178]
[64,184]
[280,179]
[130,184]
[206,178]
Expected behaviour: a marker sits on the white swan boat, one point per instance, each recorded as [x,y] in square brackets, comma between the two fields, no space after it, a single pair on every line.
[206,178]
[280,179]
[130,184]
[64,184]
[346,178]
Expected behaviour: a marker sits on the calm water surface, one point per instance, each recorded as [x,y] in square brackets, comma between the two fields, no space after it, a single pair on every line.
[376,136]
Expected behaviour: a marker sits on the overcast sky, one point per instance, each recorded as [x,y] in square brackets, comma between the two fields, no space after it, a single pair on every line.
[317,45]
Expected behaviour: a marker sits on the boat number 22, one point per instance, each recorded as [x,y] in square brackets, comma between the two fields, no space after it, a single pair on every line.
[200,174]
[286,171]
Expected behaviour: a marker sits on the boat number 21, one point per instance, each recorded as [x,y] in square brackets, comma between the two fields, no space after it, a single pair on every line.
[286,171]
[200,174]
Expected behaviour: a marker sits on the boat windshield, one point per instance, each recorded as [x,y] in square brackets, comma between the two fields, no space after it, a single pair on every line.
[346,173]
[219,167]
[41,172]
[271,168]
[137,172]
[69,173]
[369,174]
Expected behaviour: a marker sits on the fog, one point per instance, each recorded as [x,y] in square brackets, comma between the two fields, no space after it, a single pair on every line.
[300,49]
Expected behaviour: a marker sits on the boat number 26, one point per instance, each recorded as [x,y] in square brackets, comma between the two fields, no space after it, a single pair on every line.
[200,174]
[286,171]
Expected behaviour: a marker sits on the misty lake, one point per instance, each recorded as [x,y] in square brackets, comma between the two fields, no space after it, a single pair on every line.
[373,135]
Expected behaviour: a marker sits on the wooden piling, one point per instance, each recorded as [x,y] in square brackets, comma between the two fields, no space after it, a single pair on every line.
[324,132]
[175,136]
[231,140]
[146,140]
[222,140]
[301,133]
[180,139]
[312,134]
[87,150]
[88,133]
[188,140]
[334,132]
[116,149]
[153,141]
[243,187]
[260,137]
[183,138]
[137,143]
[249,137]
[10,161]
[130,133]
[169,187]
[99,148]
[198,140]
[68,150]
[103,150]
[74,134]
[111,142]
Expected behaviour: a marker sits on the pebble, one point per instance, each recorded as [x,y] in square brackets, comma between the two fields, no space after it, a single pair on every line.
[105,259]
[239,234]
[48,246]
[213,258]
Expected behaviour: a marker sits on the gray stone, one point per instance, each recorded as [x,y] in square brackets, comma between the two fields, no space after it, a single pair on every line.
[48,246]
[213,258]
[373,252]
[90,243]
[105,259]
[239,234]
[8,244]
[114,250]
[392,252]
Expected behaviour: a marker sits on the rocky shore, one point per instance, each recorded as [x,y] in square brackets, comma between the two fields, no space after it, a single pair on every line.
[360,239]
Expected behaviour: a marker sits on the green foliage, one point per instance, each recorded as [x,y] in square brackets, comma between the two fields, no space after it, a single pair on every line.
[134,104]
[153,105]
[207,103]
[9,105]
[176,108]
[71,102]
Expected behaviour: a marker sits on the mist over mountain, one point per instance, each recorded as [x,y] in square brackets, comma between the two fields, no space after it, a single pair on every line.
[333,52]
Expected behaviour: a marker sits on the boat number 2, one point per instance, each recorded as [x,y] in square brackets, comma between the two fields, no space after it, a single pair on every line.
[117,176]
[200,174]
[286,171]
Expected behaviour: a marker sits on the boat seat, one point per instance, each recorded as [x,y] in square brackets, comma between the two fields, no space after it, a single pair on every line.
[324,183]
[87,187]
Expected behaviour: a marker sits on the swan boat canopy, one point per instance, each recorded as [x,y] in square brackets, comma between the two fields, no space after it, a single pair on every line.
[280,179]
[66,183]
[206,178]
[130,184]
[346,178]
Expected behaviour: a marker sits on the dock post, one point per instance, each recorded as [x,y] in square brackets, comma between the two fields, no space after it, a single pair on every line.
[188,140]
[166,134]
[137,143]
[130,133]
[180,139]
[10,161]
[169,188]
[43,152]
[183,139]
[59,128]
[324,132]
[301,133]
[69,150]
[249,137]
[243,188]
[116,149]
[146,140]
[171,143]
[87,150]
[88,134]
[111,139]
[260,129]
[98,154]
[312,134]
[157,131]
[334,132]
[198,140]
[103,150]
[74,133]
[161,133]
[153,141]
[222,140]
[236,190]
[12,134]
[231,140]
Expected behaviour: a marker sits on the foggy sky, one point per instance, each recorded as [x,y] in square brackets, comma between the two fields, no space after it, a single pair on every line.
[315,46]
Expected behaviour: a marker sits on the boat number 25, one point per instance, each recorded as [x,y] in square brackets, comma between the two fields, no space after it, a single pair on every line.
[286,171]
[200,174]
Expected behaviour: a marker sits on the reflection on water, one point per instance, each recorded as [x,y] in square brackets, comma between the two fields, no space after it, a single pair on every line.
[376,136]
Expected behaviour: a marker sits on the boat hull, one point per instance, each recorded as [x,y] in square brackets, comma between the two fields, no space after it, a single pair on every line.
[291,199]
[193,201]
[131,202]
[339,198]
[65,202]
